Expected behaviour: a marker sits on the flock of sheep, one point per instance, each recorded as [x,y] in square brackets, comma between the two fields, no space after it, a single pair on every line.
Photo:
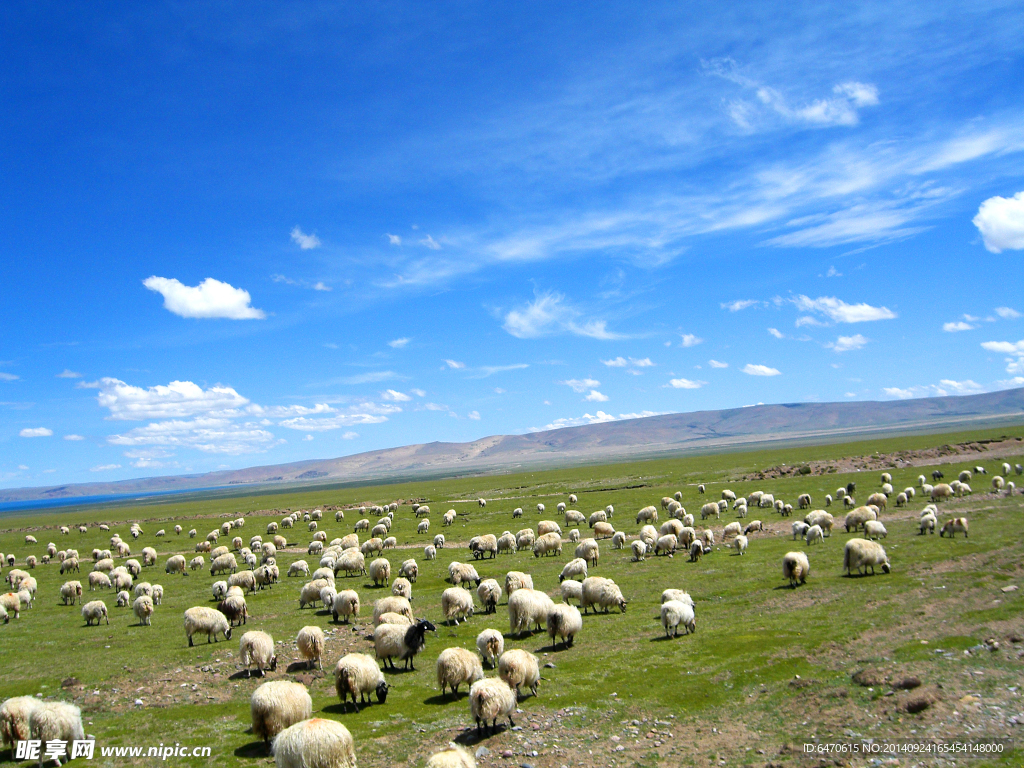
[282,711]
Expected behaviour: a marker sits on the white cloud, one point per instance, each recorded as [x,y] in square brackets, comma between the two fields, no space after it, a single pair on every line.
[717,364]
[807,320]
[304,241]
[832,272]
[36,432]
[431,243]
[23,467]
[321,286]
[689,340]
[393,239]
[851,394]
[760,370]
[1001,223]
[210,299]
[350,436]
[841,312]
[685,384]
[1007,313]
[617,362]
[581,385]
[418,392]
[599,418]
[73,437]
[489,370]
[633,362]
[776,333]
[499,391]
[210,435]
[1006,347]
[308,438]
[394,396]
[454,364]
[105,467]
[736,306]
[371,377]
[596,397]
[548,314]
[966,387]
[902,394]
[957,326]
[4,376]
[67,373]
[179,399]
[847,343]
[398,343]
[644,362]
[474,415]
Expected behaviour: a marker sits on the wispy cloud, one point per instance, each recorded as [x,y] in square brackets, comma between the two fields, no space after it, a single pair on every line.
[369,378]
[760,370]
[717,364]
[776,333]
[399,343]
[689,340]
[685,384]
[67,373]
[304,241]
[474,415]
[581,385]
[455,364]
[393,239]
[394,396]
[596,397]
[739,304]
[321,286]
[105,467]
[847,343]
[5,376]
[431,243]
[839,311]
[598,418]
[73,437]
[36,432]
[944,388]
[960,325]
[549,314]
[631,362]
[210,299]
[489,370]
[1007,313]
[1001,223]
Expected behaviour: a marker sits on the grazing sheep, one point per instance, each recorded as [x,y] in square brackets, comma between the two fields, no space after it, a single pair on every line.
[439,541]
[310,592]
[430,552]
[547,526]
[517,512]
[424,526]
[941,491]
[589,551]
[490,699]
[796,568]
[753,525]
[352,561]
[709,509]
[528,607]
[206,621]
[372,546]
[618,540]
[223,564]
[449,517]
[299,568]
[927,523]
[548,544]
[402,587]
[456,666]
[391,640]
[849,502]
[675,613]
[676,594]
[901,499]
[244,579]
[998,483]
[574,517]
[489,593]
[71,591]
[517,580]
[822,518]
[525,538]
[603,530]
[143,609]
[196,563]
[863,554]
[521,668]
[739,543]
[455,604]
[571,589]
[481,546]
[874,530]
[391,604]
[887,489]
[599,592]
[380,571]
[71,564]
[814,534]
[357,675]
[346,604]
[564,621]
[14,719]
[491,644]
[855,520]
[953,527]
[409,570]
[647,515]
[98,580]
[310,642]
[879,500]
[597,517]
[828,499]
[123,599]
[91,611]
[574,569]
[666,544]
[639,551]
[803,501]
[278,705]
[56,722]
[463,573]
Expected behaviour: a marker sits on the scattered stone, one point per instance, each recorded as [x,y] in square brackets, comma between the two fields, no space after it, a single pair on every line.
[138,702]
[69,682]
[549,665]
[482,752]
[1011,588]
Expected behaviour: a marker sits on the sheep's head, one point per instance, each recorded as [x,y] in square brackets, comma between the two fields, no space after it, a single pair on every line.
[382,691]
[622,605]
[273,662]
[886,568]
[227,633]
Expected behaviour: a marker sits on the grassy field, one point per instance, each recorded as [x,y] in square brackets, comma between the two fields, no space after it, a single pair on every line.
[769,668]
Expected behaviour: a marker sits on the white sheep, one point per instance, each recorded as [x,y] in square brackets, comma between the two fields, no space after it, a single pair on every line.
[357,675]
[927,523]
[874,530]
[491,644]
[618,540]
[391,604]
[953,527]
[402,587]
[599,592]
[675,613]
[299,568]
[863,554]
[93,611]
[14,719]
[278,705]
[648,514]
[345,604]
[520,668]
[456,604]
[799,528]
[517,580]
[528,607]
[574,569]
[206,621]
[489,593]
[56,722]
[490,699]
[639,550]
[795,567]
[310,642]
[456,666]
[143,609]
[439,541]
[391,640]
[564,621]
[71,591]
[430,552]
[380,571]
[548,544]
[814,534]
[256,648]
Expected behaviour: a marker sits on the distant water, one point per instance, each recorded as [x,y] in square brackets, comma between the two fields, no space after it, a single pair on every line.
[81,501]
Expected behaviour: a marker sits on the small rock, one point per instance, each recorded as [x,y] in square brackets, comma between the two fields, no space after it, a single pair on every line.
[507,753]
[482,752]
[517,727]
[1011,588]
[549,665]
[138,702]
[616,739]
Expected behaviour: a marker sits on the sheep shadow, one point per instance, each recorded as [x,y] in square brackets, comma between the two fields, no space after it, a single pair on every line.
[397,670]
[300,666]
[442,699]
[253,750]
[243,675]
[786,586]
[472,736]
[554,648]
[324,612]
[666,638]
[346,708]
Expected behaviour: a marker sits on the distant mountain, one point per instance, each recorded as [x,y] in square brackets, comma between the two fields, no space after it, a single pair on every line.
[700,431]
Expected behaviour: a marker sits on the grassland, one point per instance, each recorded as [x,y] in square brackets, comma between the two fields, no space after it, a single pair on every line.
[769,668]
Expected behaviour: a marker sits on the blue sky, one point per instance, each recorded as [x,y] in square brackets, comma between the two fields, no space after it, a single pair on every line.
[261,233]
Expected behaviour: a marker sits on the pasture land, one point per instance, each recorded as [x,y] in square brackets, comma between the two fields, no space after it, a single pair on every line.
[768,669]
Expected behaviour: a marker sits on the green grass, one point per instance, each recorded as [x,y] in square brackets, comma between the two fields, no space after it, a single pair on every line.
[754,634]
